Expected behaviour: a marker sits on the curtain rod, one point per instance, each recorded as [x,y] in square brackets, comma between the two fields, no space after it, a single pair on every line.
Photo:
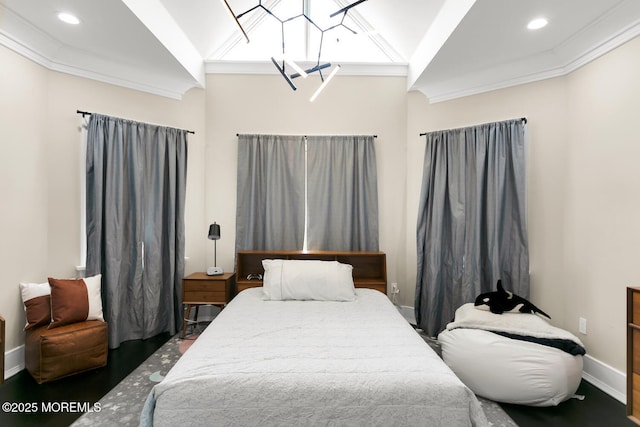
[375,136]
[524,120]
[86,113]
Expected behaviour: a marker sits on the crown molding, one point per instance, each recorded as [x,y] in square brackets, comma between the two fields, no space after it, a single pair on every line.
[496,78]
[266,67]
[589,44]
[169,88]
[32,43]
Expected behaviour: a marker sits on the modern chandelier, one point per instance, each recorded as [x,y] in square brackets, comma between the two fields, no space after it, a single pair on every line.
[282,61]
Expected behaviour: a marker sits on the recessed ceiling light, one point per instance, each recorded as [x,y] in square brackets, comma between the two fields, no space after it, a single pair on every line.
[68,18]
[537,23]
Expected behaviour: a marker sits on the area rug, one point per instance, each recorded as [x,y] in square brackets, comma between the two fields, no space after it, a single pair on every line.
[123,404]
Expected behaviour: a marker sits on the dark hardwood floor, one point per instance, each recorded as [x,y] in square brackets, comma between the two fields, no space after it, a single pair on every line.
[86,387]
[597,409]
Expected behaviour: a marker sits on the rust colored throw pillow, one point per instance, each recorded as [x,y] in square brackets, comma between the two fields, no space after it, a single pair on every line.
[37,303]
[75,300]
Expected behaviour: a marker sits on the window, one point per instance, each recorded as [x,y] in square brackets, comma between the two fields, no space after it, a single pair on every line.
[310,193]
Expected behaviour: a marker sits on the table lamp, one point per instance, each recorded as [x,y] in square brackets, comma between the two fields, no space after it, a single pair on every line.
[214,234]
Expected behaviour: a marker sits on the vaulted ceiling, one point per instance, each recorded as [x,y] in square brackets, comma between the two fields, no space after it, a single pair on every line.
[446,48]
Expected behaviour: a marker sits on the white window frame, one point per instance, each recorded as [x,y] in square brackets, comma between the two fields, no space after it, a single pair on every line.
[81,267]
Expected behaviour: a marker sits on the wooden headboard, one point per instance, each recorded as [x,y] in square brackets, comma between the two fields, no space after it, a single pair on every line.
[369,268]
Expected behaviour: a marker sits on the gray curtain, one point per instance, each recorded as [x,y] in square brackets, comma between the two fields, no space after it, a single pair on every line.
[270,192]
[471,220]
[342,193]
[136,180]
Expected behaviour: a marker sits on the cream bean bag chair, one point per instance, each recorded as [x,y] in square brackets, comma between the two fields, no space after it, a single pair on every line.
[512,357]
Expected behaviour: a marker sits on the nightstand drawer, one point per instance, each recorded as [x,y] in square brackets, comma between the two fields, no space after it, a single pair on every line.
[203,286]
[204,296]
[198,288]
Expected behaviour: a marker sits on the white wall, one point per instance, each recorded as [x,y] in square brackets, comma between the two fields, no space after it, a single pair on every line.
[544,105]
[40,169]
[582,180]
[65,95]
[583,189]
[602,207]
[23,185]
[349,105]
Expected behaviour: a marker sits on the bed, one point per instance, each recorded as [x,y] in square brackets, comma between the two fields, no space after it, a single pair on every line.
[311,362]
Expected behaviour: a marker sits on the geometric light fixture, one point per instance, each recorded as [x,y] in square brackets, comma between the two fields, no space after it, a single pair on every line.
[325,83]
[281,61]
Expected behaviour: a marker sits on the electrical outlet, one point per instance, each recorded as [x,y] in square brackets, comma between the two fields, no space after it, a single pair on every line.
[582,326]
[394,288]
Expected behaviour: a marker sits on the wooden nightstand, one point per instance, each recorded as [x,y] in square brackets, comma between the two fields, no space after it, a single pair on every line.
[199,289]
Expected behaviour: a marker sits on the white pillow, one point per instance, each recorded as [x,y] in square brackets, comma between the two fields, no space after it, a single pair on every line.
[94,291]
[307,280]
[37,303]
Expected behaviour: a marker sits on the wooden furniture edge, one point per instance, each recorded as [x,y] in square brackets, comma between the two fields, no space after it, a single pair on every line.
[2,346]
[631,411]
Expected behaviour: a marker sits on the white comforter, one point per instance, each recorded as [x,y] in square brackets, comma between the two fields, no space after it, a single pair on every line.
[286,363]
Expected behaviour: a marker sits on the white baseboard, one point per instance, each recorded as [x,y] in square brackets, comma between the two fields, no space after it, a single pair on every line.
[13,361]
[605,377]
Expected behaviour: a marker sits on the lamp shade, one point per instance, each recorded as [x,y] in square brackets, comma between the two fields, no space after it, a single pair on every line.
[214,231]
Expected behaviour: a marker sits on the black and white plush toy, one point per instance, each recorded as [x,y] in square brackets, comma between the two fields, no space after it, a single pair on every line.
[503,301]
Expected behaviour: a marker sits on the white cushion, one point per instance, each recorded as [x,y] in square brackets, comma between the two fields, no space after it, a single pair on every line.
[94,285]
[307,280]
[37,303]
[508,370]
